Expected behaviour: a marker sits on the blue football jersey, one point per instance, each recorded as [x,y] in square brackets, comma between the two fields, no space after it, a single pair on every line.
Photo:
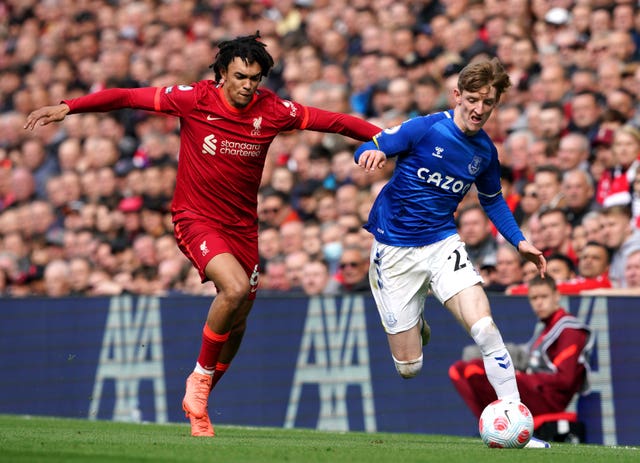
[436,166]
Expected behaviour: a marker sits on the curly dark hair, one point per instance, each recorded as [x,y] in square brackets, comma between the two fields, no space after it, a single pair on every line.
[248,48]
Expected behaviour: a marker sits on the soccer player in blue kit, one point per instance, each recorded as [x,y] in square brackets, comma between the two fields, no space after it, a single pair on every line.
[417,248]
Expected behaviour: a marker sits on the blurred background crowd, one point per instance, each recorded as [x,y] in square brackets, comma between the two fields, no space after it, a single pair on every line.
[84,203]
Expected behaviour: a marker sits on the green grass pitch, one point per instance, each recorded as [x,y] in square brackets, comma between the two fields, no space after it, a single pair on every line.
[32,439]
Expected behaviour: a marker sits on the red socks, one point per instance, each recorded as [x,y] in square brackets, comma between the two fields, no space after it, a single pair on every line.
[210,349]
[221,369]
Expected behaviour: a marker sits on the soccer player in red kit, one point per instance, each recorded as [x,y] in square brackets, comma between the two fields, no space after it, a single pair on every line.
[226,127]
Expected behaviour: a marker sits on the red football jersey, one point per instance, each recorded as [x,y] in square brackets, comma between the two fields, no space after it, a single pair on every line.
[222,148]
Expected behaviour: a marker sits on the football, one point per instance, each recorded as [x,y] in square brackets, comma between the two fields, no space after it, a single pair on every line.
[506,424]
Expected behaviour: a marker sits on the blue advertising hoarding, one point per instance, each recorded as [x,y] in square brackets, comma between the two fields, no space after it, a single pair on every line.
[320,363]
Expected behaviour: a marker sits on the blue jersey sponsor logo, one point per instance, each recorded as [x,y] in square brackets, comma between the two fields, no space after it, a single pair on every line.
[445,182]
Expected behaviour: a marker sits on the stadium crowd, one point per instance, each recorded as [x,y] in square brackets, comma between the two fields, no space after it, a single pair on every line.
[84,205]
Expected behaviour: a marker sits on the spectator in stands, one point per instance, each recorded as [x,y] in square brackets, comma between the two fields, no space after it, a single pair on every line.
[274,208]
[305,200]
[79,273]
[528,272]
[593,272]
[311,239]
[593,223]
[294,268]
[516,149]
[320,167]
[347,199]
[326,209]
[553,123]
[555,362]
[554,78]
[621,237]
[42,165]
[426,95]
[562,268]
[23,186]
[475,230]
[402,97]
[349,222]
[578,190]
[508,269]
[130,208]
[548,181]
[559,267]
[556,233]
[624,102]
[269,244]
[316,278]
[573,152]
[291,236]
[578,237]
[467,41]
[353,274]
[602,158]
[282,179]
[331,236]
[615,184]
[341,167]
[527,206]
[632,278]
[104,136]
[586,109]
[632,270]
[275,275]
[57,278]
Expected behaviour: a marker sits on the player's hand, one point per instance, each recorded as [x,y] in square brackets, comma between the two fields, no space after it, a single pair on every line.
[46,115]
[532,254]
[371,159]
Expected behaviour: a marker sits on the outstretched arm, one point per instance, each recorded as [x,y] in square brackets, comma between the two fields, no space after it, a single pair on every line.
[146,98]
[345,124]
[46,115]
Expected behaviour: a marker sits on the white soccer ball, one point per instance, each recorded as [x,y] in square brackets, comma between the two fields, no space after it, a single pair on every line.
[506,424]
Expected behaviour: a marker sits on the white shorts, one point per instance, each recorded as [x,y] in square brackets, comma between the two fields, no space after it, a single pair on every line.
[401,278]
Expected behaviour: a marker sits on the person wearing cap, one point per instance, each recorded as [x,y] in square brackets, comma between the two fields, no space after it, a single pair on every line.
[557,17]
[601,154]
[130,208]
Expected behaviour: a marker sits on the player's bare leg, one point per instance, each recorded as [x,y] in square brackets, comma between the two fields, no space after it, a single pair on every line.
[232,284]
[406,349]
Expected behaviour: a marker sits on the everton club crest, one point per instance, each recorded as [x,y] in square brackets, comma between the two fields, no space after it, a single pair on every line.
[474,165]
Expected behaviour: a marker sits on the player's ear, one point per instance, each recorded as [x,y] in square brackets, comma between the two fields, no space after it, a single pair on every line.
[457,95]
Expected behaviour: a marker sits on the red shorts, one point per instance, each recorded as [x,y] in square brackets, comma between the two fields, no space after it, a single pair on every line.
[202,239]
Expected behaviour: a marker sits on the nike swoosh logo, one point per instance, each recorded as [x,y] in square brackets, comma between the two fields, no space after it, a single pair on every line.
[210,118]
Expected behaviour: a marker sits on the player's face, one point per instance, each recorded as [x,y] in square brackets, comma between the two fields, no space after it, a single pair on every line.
[544,300]
[241,81]
[473,108]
